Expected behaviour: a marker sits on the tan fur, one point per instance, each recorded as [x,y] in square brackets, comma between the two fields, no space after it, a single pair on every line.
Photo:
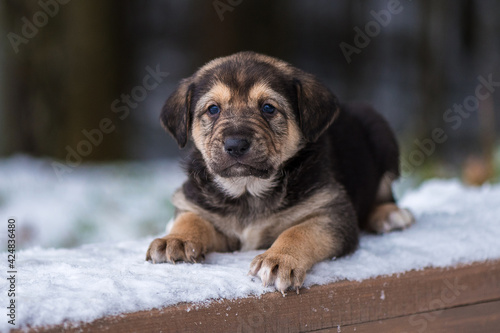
[295,251]
[219,94]
[384,192]
[294,142]
[294,136]
[261,90]
[270,227]
[197,137]
[190,239]
[387,217]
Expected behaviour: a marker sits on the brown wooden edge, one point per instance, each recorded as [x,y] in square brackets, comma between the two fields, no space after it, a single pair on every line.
[341,305]
[481,318]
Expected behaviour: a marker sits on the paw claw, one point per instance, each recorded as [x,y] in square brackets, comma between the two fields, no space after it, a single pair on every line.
[283,271]
[173,248]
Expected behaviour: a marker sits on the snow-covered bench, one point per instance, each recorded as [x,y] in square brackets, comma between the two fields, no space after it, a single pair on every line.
[465,299]
[442,273]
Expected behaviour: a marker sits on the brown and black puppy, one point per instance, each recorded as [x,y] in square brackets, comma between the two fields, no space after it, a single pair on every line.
[277,164]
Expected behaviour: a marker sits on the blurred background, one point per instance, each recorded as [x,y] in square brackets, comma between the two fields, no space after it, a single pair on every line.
[83,157]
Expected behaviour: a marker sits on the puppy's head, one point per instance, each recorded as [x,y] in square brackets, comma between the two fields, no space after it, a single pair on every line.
[248,113]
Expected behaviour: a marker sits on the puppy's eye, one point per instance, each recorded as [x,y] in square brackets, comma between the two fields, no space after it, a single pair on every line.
[213,110]
[268,108]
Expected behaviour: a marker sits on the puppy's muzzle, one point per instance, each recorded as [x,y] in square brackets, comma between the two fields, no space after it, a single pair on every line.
[236,146]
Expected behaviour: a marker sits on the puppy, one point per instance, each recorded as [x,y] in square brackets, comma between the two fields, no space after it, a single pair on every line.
[278,164]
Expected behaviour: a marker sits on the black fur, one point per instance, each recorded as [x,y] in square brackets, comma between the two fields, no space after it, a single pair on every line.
[176,113]
[364,149]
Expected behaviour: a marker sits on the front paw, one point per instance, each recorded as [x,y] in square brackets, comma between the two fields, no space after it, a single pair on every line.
[278,269]
[174,248]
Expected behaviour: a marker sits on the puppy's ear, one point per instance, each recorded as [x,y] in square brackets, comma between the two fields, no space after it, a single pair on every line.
[175,114]
[317,106]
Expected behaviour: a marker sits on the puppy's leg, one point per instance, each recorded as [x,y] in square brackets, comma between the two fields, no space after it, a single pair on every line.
[190,239]
[294,252]
[386,215]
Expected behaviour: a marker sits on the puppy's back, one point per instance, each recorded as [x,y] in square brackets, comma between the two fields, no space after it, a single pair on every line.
[365,150]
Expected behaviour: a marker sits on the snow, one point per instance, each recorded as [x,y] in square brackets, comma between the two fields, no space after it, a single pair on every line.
[455,224]
[119,201]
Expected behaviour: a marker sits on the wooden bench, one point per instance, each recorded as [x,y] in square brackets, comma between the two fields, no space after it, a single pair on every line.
[464,298]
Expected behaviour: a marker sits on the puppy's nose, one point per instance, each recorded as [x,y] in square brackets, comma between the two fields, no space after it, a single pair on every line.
[236,147]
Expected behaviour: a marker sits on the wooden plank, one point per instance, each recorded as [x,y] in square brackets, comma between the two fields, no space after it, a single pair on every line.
[481,318]
[320,307]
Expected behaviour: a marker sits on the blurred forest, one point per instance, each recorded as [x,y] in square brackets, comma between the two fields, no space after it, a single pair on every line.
[67,67]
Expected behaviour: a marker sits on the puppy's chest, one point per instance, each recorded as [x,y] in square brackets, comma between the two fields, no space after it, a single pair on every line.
[257,227]
[255,237]
[256,223]
[255,231]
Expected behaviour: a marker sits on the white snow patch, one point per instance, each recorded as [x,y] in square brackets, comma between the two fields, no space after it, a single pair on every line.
[94,203]
[454,224]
